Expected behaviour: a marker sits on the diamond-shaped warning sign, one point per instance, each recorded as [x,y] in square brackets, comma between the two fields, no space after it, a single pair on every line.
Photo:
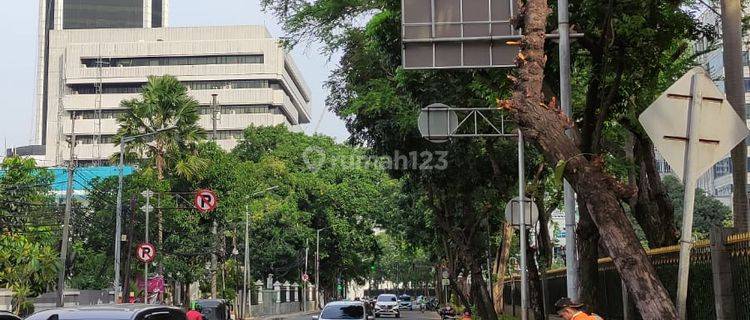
[718,128]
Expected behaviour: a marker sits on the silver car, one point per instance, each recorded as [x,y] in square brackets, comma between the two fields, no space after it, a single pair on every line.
[344,310]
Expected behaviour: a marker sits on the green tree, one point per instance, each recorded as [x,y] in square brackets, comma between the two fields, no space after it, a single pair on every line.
[708,211]
[164,104]
[29,224]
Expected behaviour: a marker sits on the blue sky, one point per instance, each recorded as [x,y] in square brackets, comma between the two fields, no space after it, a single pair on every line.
[19,22]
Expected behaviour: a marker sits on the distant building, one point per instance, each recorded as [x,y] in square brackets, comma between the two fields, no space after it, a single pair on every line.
[96,53]
[721,185]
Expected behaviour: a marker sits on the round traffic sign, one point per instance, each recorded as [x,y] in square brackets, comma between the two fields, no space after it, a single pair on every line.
[437,122]
[305,277]
[205,200]
[145,252]
[513,212]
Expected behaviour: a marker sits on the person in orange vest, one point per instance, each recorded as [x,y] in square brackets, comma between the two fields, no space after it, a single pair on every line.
[570,310]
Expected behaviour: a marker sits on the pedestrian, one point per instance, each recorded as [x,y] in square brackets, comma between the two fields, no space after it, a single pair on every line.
[195,312]
[570,310]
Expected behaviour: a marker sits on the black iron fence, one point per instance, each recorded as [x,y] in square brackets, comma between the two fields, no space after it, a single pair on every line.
[701,301]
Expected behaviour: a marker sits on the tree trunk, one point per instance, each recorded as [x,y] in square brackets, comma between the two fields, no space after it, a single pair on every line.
[599,192]
[652,207]
[535,285]
[480,294]
[588,257]
[500,266]
[731,29]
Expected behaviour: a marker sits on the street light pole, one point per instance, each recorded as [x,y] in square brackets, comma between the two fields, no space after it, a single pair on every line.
[571,251]
[214,227]
[118,218]
[317,269]
[521,203]
[246,301]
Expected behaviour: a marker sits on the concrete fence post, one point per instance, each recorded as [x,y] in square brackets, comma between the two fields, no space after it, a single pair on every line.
[277,291]
[286,291]
[259,286]
[295,292]
[722,274]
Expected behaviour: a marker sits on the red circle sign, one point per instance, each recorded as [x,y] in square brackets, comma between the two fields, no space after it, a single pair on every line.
[305,277]
[145,252]
[205,200]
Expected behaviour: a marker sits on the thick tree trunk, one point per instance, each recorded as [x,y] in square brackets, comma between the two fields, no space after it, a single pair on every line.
[652,207]
[480,295]
[500,266]
[535,284]
[588,257]
[600,193]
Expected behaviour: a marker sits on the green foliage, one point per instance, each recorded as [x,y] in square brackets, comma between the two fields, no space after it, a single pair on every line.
[708,211]
[164,103]
[28,257]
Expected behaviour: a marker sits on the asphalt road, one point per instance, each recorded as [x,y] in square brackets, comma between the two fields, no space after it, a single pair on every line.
[409,315]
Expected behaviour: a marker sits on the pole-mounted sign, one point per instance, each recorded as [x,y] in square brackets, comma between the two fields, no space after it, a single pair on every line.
[693,126]
[145,252]
[205,200]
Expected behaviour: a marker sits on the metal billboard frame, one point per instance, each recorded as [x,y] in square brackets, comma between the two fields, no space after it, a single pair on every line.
[493,41]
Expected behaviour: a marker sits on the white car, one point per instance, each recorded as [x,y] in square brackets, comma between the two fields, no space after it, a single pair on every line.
[387,304]
[344,310]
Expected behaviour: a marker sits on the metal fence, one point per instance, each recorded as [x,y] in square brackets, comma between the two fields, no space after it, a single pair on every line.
[701,303]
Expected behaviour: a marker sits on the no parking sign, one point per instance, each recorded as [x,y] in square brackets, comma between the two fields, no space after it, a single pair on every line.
[205,200]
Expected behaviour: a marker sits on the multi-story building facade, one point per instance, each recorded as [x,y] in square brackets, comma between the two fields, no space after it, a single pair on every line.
[85,74]
[721,186]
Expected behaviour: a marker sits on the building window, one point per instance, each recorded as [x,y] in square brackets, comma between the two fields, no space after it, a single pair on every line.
[95,14]
[237,109]
[172,61]
[90,139]
[93,114]
[226,135]
[156,14]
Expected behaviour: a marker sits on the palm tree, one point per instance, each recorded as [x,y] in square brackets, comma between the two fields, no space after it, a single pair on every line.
[164,103]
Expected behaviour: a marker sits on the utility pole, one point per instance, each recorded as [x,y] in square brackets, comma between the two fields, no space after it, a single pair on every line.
[68,209]
[731,29]
[571,250]
[214,227]
[129,254]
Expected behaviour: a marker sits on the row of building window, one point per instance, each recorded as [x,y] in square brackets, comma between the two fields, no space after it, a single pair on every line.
[110,88]
[91,139]
[92,114]
[172,61]
[225,134]
[110,139]
[239,109]
[231,109]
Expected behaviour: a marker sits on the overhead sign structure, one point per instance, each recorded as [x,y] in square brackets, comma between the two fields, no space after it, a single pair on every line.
[693,126]
[440,34]
[205,200]
[146,252]
[513,212]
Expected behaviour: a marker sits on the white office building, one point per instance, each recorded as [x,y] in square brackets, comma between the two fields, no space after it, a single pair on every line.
[721,185]
[96,53]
